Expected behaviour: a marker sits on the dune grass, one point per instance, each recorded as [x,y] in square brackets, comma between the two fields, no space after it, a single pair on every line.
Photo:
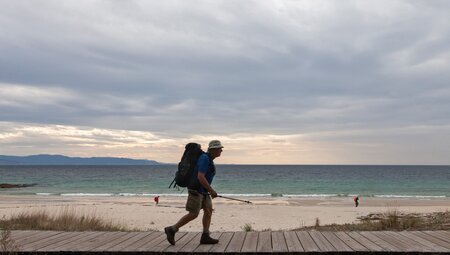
[392,220]
[7,244]
[247,227]
[69,220]
[66,220]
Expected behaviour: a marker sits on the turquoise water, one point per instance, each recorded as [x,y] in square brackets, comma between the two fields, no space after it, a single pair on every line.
[237,180]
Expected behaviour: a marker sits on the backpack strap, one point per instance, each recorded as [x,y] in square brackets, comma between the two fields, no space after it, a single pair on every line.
[211,164]
[173,183]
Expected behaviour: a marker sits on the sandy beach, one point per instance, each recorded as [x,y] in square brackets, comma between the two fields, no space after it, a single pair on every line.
[263,214]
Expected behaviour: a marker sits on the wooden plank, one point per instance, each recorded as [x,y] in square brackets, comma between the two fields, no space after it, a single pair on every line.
[264,242]
[35,237]
[335,241]
[45,242]
[307,242]
[246,242]
[363,241]
[31,236]
[113,241]
[439,234]
[350,242]
[71,242]
[128,242]
[224,241]
[378,241]
[204,248]
[39,238]
[192,245]
[70,236]
[164,244]
[182,242]
[279,242]
[423,242]
[292,242]
[154,241]
[105,237]
[250,242]
[20,234]
[236,242]
[432,239]
[399,246]
[444,232]
[80,243]
[151,235]
[428,240]
[408,243]
[321,241]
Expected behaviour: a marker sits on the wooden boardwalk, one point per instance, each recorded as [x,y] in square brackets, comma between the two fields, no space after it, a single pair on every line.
[407,242]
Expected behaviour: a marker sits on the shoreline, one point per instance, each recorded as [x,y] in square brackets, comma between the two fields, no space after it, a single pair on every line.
[237,195]
[274,213]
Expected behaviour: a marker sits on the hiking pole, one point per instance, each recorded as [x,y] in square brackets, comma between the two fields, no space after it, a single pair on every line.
[230,198]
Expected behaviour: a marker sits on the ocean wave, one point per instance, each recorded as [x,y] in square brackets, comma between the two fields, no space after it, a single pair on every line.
[245,195]
[109,194]
[47,194]
[272,195]
[162,194]
[408,196]
[87,195]
[312,195]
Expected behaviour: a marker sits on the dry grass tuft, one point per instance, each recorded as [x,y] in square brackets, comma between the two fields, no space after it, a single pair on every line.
[66,220]
[392,220]
[317,224]
[247,227]
[7,244]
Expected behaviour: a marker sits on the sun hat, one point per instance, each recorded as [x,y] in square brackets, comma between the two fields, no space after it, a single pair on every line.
[215,144]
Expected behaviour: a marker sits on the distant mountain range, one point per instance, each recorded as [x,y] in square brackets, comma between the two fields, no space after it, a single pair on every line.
[45,159]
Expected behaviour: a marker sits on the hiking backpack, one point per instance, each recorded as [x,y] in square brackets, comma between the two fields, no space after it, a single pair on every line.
[183,176]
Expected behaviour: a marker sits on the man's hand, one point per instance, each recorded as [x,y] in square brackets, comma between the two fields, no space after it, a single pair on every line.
[202,179]
[213,193]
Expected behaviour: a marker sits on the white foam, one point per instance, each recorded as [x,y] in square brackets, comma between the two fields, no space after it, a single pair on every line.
[311,195]
[246,195]
[184,194]
[408,196]
[46,194]
[87,195]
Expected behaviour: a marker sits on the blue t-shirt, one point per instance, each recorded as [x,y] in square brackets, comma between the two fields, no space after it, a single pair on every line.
[205,165]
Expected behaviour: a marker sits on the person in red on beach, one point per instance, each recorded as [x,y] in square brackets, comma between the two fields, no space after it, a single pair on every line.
[156,199]
[356,199]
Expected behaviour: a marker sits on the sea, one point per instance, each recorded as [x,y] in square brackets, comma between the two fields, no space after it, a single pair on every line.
[306,181]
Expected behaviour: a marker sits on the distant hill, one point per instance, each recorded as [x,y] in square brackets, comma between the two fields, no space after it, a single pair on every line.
[45,159]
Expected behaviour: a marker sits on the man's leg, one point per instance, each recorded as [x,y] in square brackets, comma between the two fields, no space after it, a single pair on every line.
[186,219]
[193,206]
[207,215]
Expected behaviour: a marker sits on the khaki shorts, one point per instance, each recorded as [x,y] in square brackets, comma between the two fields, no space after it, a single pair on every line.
[197,201]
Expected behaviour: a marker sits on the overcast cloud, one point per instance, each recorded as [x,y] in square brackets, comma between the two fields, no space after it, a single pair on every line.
[323,82]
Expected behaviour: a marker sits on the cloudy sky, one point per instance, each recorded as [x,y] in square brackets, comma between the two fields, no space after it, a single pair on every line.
[279,82]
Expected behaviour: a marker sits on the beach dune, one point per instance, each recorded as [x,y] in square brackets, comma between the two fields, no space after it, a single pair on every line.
[263,214]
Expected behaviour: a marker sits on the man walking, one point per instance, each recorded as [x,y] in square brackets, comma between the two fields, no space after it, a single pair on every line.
[200,193]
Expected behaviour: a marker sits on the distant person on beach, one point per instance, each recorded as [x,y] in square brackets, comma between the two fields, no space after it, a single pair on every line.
[356,199]
[156,199]
[200,198]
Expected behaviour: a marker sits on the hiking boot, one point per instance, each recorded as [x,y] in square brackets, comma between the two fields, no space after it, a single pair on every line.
[170,234]
[206,239]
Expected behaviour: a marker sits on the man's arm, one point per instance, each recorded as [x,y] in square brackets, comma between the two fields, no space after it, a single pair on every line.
[202,179]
